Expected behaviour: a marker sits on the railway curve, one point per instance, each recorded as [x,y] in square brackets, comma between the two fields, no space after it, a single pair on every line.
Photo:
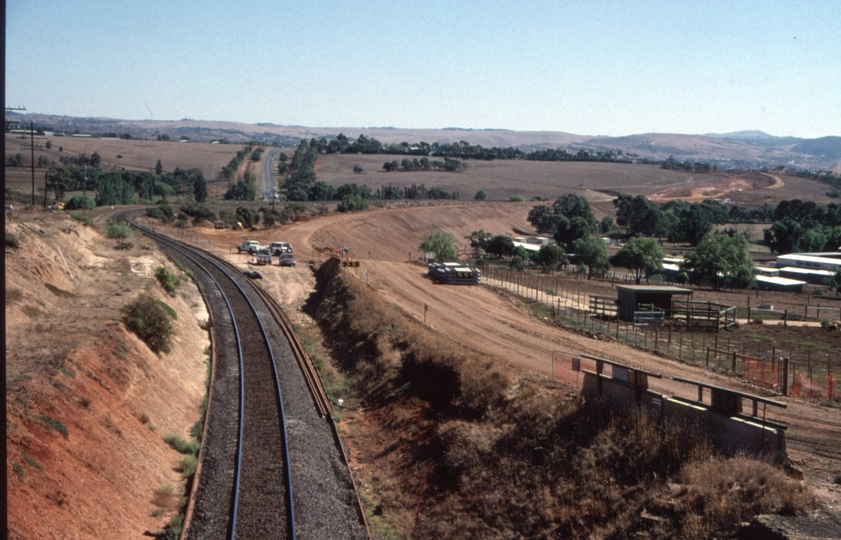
[326,504]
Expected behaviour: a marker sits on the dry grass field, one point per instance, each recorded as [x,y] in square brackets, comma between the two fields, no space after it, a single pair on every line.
[548,180]
[118,154]
[500,178]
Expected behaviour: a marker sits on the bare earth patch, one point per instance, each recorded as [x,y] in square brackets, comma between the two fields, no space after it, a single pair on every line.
[87,403]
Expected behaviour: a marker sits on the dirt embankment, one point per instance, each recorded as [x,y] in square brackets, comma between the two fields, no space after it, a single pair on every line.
[87,403]
[448,445]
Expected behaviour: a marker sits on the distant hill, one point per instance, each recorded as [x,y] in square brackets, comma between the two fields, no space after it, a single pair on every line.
[738,150]
[755,136]
[828,147]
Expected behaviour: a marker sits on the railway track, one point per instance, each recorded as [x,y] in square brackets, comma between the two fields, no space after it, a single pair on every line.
[269,422]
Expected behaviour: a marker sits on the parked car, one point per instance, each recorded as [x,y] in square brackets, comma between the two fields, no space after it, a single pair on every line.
[281,247]
[287,259]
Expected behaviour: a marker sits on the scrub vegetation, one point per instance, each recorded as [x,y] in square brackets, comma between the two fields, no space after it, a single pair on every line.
[466,452]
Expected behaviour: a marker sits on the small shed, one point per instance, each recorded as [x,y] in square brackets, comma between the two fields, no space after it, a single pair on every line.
[631,297]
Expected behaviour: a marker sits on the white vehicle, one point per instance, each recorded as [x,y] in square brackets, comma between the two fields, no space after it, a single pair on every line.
[249,246]
[281,247]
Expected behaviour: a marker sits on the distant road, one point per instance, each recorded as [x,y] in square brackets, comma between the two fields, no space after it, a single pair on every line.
[268,177]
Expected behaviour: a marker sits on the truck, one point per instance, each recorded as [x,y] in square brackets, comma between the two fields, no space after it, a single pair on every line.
[279,248]
[249,246]
[264,256]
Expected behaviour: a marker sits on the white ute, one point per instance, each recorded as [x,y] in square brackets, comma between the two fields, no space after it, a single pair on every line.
[249,246]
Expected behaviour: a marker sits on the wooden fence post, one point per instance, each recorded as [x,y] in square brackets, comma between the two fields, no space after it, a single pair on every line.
[784,373]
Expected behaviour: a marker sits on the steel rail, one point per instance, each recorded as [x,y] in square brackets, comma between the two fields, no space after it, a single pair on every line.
[317,389]
[182,249]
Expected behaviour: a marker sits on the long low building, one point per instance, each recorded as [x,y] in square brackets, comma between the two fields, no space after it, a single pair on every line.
[780,284]
[808,261]
[816,277]
[528,246]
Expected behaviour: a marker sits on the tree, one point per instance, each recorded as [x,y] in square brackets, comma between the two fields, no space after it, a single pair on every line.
[638,215]
[550,257]
[442,244]
[479,240]
[543,218]
[357,169]
[694,223]
[200,188]
[78,202]
[721,259]
[322,191]
[516,198]
[247,216]
[592,253]
[159,168]
[521,252]
[568,231]
[640,256]
[481,195]
[60,180]
[48,145]
[782,235]
[573,206]
[501,246]
[352,203]
[606,225]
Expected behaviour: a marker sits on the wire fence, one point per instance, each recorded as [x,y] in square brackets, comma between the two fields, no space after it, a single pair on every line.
[792,372]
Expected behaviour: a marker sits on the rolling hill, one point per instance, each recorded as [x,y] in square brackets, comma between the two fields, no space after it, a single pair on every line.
[739,150]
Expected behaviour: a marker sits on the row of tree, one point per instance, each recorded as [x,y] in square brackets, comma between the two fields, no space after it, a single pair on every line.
[193,213]
[424,164]
[229,171]
[121,187]
[464,150]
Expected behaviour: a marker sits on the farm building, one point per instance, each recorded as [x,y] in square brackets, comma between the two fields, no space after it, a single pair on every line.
[535,240]
[808,261]
[780,284]
[527,246]
[826,254]
[806,274]
[767,271]
[632,297]
[670,272]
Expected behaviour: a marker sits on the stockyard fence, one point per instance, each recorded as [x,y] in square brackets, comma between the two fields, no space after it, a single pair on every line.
[807,373]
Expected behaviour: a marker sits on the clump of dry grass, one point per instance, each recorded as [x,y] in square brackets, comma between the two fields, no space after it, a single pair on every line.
[166,497]
[722,492]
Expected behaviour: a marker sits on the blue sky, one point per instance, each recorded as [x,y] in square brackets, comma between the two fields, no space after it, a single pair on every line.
[598,67]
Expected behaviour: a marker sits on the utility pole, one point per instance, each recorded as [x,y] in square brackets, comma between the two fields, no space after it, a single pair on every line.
[32,157]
